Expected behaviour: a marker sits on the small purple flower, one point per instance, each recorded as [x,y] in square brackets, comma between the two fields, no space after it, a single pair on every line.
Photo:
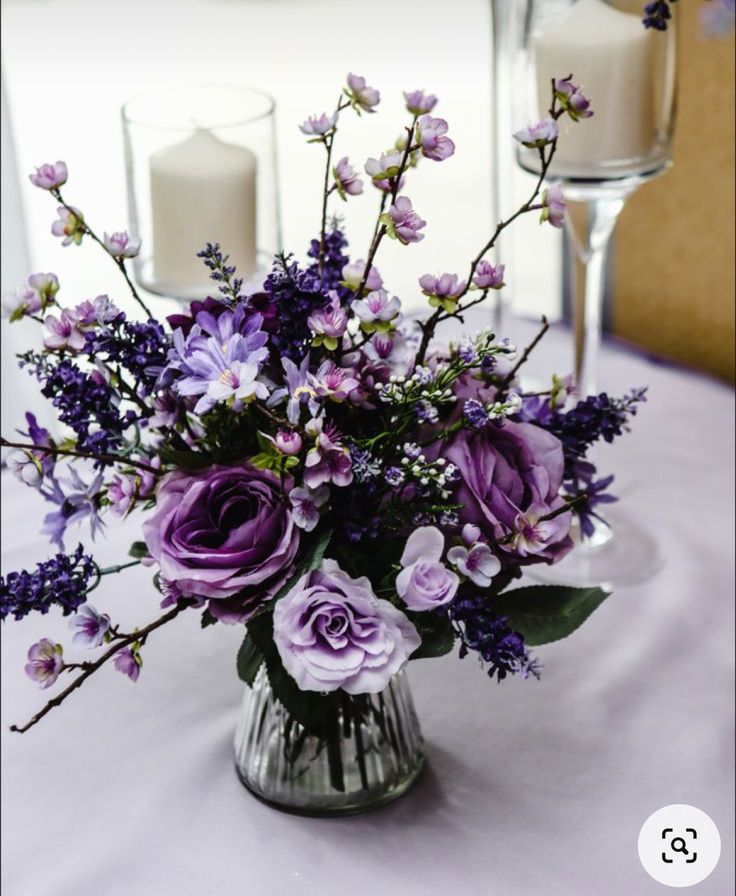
[383,169]
[101,310]
[403,223]
[432,140]
[328,324]
[395,476]
[424,582]
[329,461]
[331,632]
[128,662]
[488,276]
[297,389]
[444,290]
[426,412]
[64,332]
[553,206]
[353,273]
[305,503]
[319,125]
[478,563]
[120,245]
[534,136]
[70,225]
[126,488]
[347,180]
[419,103]
[362,96]
[44,661]
[50,176]
[534,535]
[89,627]
[475,413]
[288,443]
[376,311]
[331,381]
[572,99]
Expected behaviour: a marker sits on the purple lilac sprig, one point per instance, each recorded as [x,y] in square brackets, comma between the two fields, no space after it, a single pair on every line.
[62,581]
[486,633]
[140,348]
[334,260]
[223,273]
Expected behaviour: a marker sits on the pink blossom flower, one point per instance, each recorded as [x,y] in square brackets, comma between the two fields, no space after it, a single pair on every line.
[553,206]
[477,563]
[25,466]
[385,168]
[376,311]
[50,176]
[64,332]
[44,662]
[306,503]
[319,125]
[432,140]
[129,662]
[444,290]
[70,225]
[352,276]
[89,626]
[288,443]
[532,534]
[488,276]
[331,381]
[537,135]
[347,180]
[19,302]
[100,310]
[120,245]
[329,461]
[362,96]
[419,103]
[572,99]
[403,223]
[328,324]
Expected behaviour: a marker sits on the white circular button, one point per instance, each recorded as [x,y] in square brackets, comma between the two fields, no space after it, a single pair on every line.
[679,845]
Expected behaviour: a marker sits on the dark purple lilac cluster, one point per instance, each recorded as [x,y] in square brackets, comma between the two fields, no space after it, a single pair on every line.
[61,581]
[223,273]
[657,14]
[85,402]
[140,348]
[489,635]
[334,261]
[296,294]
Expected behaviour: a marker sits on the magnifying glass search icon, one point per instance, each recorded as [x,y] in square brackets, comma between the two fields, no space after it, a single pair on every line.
[679,845]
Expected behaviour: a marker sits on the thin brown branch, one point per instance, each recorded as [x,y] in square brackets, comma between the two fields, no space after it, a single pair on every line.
[69,452]
[524,357]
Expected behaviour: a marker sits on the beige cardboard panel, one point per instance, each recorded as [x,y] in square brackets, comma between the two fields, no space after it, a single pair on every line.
[674,261]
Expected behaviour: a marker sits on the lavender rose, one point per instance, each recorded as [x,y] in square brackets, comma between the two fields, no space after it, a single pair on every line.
[332,632]
[225,533]
[505,472]
[425,583]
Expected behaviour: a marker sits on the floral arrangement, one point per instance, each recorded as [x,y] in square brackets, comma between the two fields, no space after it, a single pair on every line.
[306,461]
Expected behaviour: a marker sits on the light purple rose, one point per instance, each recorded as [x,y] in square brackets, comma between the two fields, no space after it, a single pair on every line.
[508,471]
[50,176]
[332,632]
[225,533]
[534,136]
[553,206]
[44,662]
[425,583]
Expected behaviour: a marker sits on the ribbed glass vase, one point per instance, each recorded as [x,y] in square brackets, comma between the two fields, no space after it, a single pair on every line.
[366,753]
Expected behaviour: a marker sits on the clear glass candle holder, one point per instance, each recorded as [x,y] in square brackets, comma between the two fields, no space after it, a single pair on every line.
[201,168]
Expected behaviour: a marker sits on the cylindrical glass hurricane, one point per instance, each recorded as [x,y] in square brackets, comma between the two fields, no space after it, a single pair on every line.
[366,753]
[201,167]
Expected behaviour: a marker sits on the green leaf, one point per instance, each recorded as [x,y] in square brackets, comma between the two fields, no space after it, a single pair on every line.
[437,633]
[311,560]
[207,618]
[545,613]
[250,659]
[138,550]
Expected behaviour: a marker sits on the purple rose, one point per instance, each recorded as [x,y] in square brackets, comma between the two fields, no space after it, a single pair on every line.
[504,473]
[425,583]
[332,632]
[225,533]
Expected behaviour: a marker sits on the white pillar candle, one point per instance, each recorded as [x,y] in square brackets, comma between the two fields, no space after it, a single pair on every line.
[609,53]
[202,190]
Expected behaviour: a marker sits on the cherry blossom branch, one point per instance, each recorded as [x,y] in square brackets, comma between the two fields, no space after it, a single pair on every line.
[56,193]
[90,668]
[328,141]
[70,452]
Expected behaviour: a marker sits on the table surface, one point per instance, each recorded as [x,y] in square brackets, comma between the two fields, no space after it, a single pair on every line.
[532,787]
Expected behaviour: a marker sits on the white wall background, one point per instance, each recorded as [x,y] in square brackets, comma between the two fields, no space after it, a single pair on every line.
[70,64]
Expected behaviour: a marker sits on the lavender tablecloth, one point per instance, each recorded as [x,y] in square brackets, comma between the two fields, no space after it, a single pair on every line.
[532,788]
